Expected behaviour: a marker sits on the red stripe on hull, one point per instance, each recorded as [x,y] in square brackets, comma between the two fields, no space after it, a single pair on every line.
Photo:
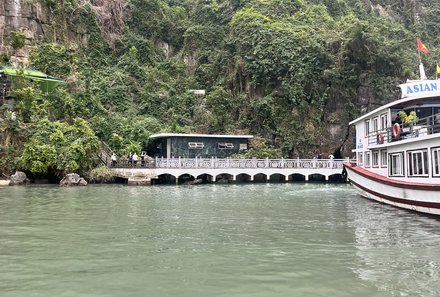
[391,182]
[398,200]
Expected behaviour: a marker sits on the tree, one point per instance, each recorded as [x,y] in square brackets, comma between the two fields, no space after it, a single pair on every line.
[59,148]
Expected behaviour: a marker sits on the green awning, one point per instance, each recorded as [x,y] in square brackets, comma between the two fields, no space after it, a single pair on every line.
[47,83]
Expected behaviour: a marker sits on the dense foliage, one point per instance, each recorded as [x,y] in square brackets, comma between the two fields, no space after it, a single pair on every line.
[291,72]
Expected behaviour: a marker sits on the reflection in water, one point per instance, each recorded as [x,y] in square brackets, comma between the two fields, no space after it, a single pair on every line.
[214,240]
[398,249]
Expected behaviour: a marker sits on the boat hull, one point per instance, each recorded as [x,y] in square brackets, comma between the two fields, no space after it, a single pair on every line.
[418,197]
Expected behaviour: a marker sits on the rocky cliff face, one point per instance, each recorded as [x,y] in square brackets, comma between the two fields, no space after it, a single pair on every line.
[37,22]
[29,17]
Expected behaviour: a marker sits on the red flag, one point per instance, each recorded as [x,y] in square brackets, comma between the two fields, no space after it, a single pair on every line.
[422,47]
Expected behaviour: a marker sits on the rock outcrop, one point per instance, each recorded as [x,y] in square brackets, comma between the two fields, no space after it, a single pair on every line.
[73,179]
[19,178]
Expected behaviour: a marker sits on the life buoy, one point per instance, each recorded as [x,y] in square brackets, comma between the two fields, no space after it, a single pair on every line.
[380,138]
[396,130]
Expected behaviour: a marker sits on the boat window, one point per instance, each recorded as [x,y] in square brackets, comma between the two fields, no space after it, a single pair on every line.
[360,159]
[367,159]
[383,158]
[367,127]
[423,112]
[375,160]
[375,124]
[383,121]
[396,164]
[436,161]
[196,145]
[418,163]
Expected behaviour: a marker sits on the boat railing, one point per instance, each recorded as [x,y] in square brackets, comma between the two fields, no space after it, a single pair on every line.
[424,126]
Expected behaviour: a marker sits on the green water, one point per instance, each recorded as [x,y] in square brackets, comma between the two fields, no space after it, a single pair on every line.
[213,240]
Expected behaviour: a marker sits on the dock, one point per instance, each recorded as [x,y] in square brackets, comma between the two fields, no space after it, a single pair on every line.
[227,170]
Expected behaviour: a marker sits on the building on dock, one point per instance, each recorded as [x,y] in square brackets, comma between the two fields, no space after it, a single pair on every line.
[203,158]
[169,145]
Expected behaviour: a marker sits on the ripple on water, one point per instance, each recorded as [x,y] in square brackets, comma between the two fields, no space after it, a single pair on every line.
[212,240]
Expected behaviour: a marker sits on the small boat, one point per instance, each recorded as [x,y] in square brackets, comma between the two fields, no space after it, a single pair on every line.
[397,150]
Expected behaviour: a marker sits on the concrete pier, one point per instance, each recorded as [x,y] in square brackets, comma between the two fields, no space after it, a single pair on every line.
[214,170]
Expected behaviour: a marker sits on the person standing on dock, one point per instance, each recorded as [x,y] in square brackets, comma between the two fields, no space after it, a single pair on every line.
[143,154]
[135,159]
[113,160]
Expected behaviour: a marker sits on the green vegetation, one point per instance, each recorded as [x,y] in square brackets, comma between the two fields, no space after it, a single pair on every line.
[17,40]
[100,174]
[59,148]
[282,70]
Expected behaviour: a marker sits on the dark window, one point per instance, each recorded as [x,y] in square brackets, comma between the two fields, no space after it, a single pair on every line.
[383,158]
[367,159]
[375,161]
[418,163]
[396,167]
[436,161]
[225,145]
[196,145]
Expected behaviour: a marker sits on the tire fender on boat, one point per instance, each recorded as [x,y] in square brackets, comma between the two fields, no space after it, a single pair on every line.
[396,130]
[380,138]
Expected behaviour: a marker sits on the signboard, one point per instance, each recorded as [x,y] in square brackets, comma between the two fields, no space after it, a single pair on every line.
[198,92]
[421,88]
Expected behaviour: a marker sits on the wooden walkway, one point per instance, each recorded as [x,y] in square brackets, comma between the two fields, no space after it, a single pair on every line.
[196,170]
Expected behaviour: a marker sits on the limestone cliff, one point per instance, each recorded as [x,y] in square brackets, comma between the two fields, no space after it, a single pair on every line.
[29,17]
[195,37]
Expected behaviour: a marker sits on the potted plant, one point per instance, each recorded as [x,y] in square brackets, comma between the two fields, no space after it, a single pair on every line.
[409,120]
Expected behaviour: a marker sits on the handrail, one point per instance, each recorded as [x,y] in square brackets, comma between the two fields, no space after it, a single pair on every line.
[105,153]
[424,126]
[215,163]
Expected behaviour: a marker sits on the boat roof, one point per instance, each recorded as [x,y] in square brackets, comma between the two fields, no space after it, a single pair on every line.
[408,100]
[166,135]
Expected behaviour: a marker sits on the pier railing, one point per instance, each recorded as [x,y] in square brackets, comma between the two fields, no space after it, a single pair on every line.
[186,163]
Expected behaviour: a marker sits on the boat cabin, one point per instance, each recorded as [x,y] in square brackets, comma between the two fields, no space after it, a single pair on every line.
[401,139]
[169,145]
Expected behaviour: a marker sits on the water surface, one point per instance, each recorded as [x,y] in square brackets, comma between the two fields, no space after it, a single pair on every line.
[213,240]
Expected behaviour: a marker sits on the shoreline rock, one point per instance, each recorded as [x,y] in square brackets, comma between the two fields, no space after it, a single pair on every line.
[72,179]
[19,178]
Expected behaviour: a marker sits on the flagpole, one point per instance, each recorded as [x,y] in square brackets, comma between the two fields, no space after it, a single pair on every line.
[436,70]
[421,68]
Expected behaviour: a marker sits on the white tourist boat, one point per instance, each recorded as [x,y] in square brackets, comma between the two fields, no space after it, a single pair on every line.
[398,163]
